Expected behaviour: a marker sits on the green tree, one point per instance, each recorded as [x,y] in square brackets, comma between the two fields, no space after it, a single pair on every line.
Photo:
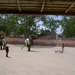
[68,26]
[49,22]
[2,25]
[11,23]
[18,24]
[29,23]
[44,32]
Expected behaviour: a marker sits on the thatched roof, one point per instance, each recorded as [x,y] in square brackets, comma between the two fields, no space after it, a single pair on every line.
[54,7]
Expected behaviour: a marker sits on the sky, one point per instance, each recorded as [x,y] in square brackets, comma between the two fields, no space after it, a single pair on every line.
[58,31]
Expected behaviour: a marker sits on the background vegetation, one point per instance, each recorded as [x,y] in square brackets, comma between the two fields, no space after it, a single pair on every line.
[23,24]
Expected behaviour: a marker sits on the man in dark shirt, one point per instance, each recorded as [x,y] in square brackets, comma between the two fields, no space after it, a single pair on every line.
[7,51]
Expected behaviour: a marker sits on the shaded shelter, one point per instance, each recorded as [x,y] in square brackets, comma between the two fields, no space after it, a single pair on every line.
[54,7]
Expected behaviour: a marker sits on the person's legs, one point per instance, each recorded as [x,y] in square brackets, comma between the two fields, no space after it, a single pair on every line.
[4,46]
[7,50]
[28,47]
[6,54]
[1,47]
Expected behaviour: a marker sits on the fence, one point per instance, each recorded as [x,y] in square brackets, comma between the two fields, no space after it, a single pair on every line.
[43,41]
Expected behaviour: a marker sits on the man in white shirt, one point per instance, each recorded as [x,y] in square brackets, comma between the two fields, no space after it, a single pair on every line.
[28,43]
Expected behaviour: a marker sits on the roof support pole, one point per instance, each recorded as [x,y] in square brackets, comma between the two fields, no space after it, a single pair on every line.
[42,6]
[69,7]
[19,5]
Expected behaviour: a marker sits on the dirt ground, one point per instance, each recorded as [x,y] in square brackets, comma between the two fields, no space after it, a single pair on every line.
[42,60]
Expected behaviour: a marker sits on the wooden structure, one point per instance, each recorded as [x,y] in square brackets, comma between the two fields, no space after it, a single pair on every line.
[54,7]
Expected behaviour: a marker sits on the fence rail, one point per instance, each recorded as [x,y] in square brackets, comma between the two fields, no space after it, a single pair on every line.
[42,41]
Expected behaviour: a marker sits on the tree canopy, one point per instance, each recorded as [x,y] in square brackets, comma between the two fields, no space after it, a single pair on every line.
[68,26]
[23,24]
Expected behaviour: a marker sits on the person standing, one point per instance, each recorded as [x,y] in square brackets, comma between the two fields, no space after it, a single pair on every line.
[28,43]
[1,44]
[4,43]
[7,50]
[62,47]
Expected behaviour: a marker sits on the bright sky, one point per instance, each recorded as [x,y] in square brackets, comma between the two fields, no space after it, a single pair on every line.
[58,31]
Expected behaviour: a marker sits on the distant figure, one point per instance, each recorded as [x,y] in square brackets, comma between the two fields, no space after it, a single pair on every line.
[4,43]
[60,51]
[1,44]
[62,47]
[7,50]
[28,43]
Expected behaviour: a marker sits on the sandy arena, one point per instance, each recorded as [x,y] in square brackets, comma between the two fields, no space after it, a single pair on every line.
[42,60]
